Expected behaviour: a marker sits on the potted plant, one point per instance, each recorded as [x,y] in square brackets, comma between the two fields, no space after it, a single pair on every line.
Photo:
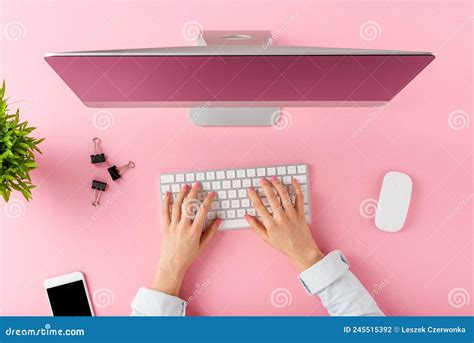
[17,149]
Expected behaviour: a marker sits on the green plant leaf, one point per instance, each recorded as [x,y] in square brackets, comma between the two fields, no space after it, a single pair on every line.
[17,150]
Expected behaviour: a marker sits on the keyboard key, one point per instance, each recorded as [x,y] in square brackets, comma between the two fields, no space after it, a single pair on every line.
[206,186]
[245,202]
[301,178]
[215,205]
[211,215]
[180,178]
[216,185]
[281,170]
[230,214]
[201,196]
[241,173]
[251,173]
[235,204]
[234,224]
[232,194]
[240,213]
[222,195]
[221,214]
[200,177]
[225,204]
[210,176]
[230,174]
[167,178]
[165,188]
[302,169]
[255,182]
[246,183]
[287,180]
[220,175]
[226,184]
[242,193]
[236,184]
[251,211]
[175,188]
[291,170]
[261,172]
[189,177]
[271,171]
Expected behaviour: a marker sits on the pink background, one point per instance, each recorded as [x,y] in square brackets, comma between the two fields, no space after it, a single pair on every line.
[425,269]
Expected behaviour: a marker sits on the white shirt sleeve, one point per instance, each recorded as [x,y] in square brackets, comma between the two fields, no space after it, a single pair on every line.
[149,302]
[339,290]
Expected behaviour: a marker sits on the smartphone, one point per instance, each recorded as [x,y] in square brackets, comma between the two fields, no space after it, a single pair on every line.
[68,296]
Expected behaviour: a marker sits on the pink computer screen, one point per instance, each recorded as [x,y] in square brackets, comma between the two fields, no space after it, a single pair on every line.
[136,80]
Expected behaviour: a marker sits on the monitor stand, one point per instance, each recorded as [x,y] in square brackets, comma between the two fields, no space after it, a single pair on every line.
[207,115]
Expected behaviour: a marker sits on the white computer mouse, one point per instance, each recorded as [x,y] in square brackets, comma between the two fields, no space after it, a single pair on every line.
[394,200]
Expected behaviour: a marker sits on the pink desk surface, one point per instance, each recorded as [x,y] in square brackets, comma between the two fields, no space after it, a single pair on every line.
[425,269]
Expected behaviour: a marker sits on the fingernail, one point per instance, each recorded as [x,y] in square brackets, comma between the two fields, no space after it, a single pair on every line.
[246,216]
[212,193]
[273,178]
[263,180]
[197,184]
[250,189]
[295,179]
[167,194]
[219,221]
[185,186]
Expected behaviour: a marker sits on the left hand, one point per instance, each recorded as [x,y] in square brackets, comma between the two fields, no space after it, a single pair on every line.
[183,236]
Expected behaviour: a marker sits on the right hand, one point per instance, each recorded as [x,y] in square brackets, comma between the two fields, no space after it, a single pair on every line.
[285,229]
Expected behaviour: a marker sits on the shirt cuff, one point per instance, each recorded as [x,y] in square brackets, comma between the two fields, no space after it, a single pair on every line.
[149,302]
[325,272]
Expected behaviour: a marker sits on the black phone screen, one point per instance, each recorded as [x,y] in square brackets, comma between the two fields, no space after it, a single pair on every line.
[69,299]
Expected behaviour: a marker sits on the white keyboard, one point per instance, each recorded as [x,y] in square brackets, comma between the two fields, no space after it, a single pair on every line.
[230,185]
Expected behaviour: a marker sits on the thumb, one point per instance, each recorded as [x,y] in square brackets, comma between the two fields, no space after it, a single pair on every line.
[256,226]
[210,232]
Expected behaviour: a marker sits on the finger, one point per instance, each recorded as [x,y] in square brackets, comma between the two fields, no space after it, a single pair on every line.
[270,194]
[258,205]
[283,193]
[166,210]
[201,215]
[191,204]
[210,232]
[176,209]
[299,197]
[257,226]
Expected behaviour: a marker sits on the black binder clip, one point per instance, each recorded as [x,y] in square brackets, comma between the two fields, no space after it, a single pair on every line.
[116,172]
[99,188]
[97,158]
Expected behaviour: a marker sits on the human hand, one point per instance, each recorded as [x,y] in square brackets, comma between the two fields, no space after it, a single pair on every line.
[183,236]
[285,228]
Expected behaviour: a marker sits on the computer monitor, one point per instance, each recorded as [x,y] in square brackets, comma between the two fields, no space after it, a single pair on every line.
[238,84]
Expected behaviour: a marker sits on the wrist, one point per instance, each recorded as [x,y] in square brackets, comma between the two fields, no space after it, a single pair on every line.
[307,258]
[168,280]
